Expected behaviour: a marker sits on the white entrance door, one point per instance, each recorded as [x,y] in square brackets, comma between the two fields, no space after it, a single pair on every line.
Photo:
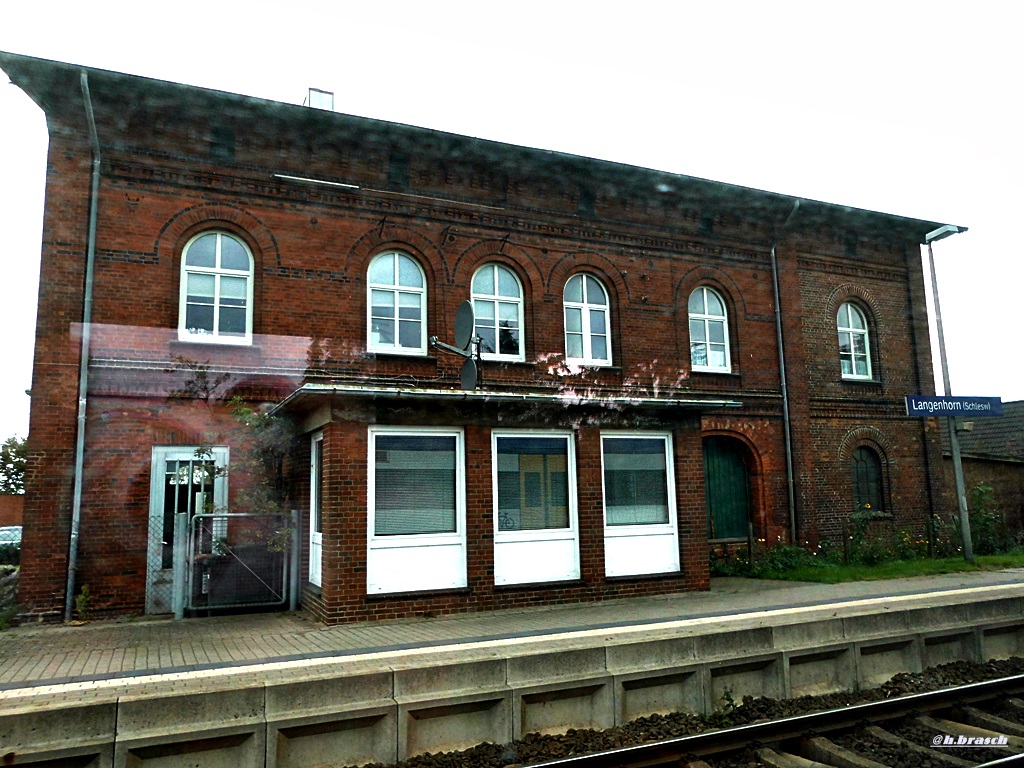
[183,479]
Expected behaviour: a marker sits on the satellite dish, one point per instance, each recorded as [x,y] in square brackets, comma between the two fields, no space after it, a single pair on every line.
[464,323]
[468,377]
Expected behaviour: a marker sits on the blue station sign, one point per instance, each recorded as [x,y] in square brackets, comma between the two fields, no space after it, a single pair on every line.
[930,405]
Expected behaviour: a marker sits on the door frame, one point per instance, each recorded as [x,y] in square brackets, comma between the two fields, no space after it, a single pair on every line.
[156,574]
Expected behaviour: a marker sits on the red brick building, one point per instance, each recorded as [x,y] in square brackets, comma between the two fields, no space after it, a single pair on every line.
[631,412]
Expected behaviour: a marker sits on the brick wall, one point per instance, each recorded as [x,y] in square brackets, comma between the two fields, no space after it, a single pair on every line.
[453,204]
[11,506]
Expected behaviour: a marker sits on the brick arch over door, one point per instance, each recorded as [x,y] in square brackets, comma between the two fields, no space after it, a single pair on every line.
[733,451]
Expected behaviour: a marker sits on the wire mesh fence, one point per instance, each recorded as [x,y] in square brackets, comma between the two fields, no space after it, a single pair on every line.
[238,560]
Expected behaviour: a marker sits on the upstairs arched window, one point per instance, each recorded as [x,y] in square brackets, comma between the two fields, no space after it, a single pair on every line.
[709,332]
[216,290]
[854,346]
[498,306]
[587,331]
[396,305]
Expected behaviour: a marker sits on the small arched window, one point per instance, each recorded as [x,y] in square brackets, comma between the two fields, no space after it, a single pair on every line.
[587,333]
[498,306]
[216,290]
[709,332]
[867,480]
[854,346]
[396,305]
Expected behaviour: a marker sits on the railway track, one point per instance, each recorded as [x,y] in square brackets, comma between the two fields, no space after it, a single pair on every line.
[979,724]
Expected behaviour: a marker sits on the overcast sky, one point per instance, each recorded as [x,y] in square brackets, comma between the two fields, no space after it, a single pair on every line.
[910,108]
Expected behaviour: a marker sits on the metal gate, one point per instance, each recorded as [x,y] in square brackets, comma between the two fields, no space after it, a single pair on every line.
[240,560]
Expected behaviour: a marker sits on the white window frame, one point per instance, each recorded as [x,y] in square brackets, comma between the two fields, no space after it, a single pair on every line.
[396,289]
[215,337]
[495,299]
[864,332]
[643,548]
[423,561]
[586,307]
[707,319]
[543,555]
[316,536]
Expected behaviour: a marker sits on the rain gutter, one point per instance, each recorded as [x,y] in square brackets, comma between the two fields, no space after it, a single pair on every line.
[83,365]
[786,431]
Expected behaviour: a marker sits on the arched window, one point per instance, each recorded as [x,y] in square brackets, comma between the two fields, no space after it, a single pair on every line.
[498,306]
[216,290]
[867,480]
[587,334]
[397,305]
[854,347]
[709,332]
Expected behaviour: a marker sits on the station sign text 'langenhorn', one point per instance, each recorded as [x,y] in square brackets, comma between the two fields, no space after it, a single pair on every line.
[930,405]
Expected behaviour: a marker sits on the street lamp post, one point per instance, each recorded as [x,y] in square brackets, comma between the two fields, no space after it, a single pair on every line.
[954,440]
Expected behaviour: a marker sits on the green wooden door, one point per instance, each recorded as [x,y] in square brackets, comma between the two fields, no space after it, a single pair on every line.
[725,489]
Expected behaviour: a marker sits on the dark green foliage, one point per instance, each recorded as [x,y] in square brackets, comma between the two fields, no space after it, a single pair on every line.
[13,460]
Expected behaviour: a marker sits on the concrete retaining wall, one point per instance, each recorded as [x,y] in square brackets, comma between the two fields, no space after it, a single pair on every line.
[389,706]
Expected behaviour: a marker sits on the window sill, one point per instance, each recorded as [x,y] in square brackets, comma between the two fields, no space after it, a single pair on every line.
[413,595]
[397,353]
[504,361]
[718,378]
[584,368]
[380,355]
[645,576]
[539,585]
[713,372]
[862,382]
[182,348]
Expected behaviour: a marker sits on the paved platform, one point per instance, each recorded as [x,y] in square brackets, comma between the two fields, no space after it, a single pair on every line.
[37,655]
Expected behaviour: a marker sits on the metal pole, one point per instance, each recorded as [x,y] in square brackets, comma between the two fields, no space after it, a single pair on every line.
[954,440]
[180,560]
[293,563]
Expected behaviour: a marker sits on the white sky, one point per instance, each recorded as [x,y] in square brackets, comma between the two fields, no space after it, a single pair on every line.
[910,108]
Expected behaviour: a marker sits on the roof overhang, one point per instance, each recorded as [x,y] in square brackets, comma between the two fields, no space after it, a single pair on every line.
[314,394]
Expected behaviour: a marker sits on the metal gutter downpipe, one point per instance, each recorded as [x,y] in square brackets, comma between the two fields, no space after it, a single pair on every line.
[787,436]
[83,366]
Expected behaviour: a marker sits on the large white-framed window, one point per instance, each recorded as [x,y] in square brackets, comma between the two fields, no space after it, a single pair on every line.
[316,507]
[396,305]
[709,331]
[416,522]
[536,531]
[215,302]
[640,530]
[587,329]
[498,307]
[854,345]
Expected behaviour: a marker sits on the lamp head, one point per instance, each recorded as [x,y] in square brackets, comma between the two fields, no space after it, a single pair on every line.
[941,232]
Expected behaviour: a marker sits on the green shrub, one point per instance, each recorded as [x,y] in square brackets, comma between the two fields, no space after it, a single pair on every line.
[8,595]
[10,554]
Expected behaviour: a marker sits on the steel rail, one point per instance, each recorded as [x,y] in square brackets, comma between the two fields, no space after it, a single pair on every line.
[669,751]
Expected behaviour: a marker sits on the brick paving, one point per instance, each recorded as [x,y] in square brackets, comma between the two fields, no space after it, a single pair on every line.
[43,654]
